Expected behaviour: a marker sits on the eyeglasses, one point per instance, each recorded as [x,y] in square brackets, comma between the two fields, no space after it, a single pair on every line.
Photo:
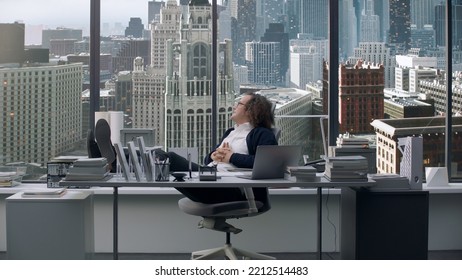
[239,103]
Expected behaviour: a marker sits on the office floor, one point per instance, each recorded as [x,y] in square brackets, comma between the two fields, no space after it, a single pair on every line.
[432,255]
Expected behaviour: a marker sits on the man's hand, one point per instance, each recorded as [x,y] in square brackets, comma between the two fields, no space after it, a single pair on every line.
[222,154]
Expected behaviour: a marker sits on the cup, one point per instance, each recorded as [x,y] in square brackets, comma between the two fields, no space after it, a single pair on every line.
[162,172]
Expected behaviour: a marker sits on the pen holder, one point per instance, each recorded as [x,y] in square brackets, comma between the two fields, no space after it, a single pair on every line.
[161,172]
[207,173]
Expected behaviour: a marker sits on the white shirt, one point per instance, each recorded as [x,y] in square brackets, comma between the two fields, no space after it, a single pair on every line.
[237,142]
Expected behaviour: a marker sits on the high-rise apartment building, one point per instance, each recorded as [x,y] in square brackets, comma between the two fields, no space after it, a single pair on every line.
[41,112]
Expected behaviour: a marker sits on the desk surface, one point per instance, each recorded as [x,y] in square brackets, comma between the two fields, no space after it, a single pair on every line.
[229,182]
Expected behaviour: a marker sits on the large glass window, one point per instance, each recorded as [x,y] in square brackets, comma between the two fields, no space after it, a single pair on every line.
[155,66]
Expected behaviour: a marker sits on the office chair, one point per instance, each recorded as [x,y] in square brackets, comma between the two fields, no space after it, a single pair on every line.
[215,216]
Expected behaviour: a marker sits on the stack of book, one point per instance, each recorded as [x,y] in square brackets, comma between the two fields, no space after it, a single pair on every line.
[346,168]
[88,169]
[300,173]
[352,142]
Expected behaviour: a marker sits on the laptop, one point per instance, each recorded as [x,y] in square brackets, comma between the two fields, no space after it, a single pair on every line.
[271,161]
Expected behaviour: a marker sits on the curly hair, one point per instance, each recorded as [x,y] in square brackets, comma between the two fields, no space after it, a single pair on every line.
[260,111]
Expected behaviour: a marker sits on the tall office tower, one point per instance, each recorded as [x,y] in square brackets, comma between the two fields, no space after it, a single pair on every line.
[268,11]
[422,13]
[41,112]
[292,12]
[382,9]
[424,38]
[275,33]
[264,63]
[129,50]
[305,66]
[360,96]
[314,18]
[154,8]
[377,53]
[348,28]
[370,24]
[149,84]
[243,28]
[188,88]
[12,43]
[440,23]
[400,25]
[135,28]
[60,33]
[224,23]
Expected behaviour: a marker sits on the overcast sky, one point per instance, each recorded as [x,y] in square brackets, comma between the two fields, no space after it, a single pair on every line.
[70,13]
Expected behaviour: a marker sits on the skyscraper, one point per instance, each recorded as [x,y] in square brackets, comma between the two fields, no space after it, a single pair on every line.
[370,24]
[314,18]
[275,33]
[149,83]
[264,63]
[243,28]
[41,112]
[400,24]
[422,13]
[188,101]
[440,21]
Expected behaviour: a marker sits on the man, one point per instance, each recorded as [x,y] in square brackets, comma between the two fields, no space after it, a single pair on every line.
[253,117]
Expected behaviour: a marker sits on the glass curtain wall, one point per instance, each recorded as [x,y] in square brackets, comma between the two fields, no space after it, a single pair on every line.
[156,73]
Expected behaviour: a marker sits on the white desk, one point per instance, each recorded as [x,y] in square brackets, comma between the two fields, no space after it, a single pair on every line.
[50,228]
[228,182]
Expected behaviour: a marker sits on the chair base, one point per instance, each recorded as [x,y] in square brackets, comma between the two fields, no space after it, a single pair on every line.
[228,252]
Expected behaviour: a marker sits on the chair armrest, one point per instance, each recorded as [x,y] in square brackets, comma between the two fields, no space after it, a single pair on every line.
[251,200]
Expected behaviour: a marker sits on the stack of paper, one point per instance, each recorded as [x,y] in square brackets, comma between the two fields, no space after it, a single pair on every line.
[300,173]
[11,176]
[389,181]
[352,142]
[346,168]
[88,169]
[48,193]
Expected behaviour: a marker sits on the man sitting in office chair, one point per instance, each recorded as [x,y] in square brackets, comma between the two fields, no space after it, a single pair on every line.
[253,117]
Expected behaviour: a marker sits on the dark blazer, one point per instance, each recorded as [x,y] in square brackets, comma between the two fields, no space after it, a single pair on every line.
[256,137]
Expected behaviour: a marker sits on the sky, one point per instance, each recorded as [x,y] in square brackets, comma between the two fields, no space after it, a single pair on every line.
[70,13]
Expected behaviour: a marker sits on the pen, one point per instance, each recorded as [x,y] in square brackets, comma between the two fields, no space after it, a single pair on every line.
[189,165]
